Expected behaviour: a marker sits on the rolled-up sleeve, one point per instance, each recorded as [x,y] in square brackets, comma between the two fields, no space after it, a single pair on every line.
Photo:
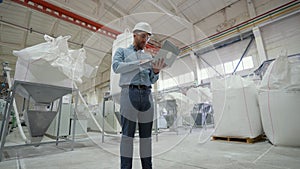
[120,66]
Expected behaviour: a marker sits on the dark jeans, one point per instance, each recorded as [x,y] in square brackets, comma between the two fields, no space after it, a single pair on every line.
[136,107]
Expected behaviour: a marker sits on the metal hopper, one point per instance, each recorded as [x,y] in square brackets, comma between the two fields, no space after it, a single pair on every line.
[39,119]
[38,123]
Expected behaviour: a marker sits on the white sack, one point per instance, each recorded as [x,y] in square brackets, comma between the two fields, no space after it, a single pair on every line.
[72,64]
[282,74]
[236,111]
[51,63]
[40,71]
[280,116]
[48,50]
[279,98]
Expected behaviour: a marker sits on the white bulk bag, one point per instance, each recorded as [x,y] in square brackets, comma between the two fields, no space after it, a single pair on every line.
[279,98]
[52,63]
[282,74]
[236,110]
[280,116]
[34,63]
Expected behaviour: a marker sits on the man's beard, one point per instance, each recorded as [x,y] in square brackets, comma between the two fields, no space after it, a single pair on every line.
[140,46]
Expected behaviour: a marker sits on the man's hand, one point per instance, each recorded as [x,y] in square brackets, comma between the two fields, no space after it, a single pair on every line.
[158,65]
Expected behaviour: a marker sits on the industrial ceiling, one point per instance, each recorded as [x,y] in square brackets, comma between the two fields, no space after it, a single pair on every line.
[24,23]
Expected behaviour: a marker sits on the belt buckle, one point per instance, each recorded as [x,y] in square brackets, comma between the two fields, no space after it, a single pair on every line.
[140,87]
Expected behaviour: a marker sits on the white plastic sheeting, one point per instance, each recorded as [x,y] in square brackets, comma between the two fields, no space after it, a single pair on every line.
[279,98]
[236,110]
[51,63]
[123,41]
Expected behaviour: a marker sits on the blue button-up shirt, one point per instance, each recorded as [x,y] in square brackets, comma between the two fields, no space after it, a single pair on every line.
[126,61]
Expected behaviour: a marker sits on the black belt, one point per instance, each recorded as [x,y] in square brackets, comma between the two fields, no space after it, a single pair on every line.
[144,87]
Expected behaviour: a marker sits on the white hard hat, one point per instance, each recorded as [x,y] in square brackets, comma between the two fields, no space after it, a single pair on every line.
[143,26]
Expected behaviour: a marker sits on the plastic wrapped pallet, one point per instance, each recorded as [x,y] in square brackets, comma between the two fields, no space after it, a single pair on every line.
[236,110]
[279,98]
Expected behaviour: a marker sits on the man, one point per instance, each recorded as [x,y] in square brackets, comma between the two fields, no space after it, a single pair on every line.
[137,74]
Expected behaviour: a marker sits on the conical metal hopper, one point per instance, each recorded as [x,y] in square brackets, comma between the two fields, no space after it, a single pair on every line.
[45,93]
[38,123]
[39,120]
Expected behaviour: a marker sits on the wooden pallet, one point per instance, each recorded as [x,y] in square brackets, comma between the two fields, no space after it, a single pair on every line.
[238,139]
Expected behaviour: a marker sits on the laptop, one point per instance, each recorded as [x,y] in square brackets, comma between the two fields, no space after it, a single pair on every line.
[168,52]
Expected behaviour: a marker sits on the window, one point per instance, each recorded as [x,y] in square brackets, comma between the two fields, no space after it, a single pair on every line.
[248,62]
[220,69]
[211,72]
[204,74]
[241,67]
[175,81]
[228,67]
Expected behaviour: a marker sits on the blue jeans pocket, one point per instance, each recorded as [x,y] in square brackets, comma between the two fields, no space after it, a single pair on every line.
[140,99]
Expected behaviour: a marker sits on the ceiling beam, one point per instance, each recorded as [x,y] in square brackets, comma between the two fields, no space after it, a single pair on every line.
[166,11]
[79,34]
[177,11]
[71,17]
[100,8]
[68,16]
[13,25]
[27,23]
[11,45]
[135,6]
[11,59]
[118,11]
[54,27]
[251,8]
[173,16]
[161,8]
[174,6]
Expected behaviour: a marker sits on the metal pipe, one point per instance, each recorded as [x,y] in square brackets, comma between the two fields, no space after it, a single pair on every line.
[103,115]
[74,118]
[59,116]
[16,110]
[6,121]
[91,114]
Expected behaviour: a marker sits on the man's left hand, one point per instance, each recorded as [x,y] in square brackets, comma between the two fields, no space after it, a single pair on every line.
[158,65]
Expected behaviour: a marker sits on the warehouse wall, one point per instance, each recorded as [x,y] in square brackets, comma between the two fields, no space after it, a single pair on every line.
[282,35]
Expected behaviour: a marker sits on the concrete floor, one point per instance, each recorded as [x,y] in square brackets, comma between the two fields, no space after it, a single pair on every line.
[171,151]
